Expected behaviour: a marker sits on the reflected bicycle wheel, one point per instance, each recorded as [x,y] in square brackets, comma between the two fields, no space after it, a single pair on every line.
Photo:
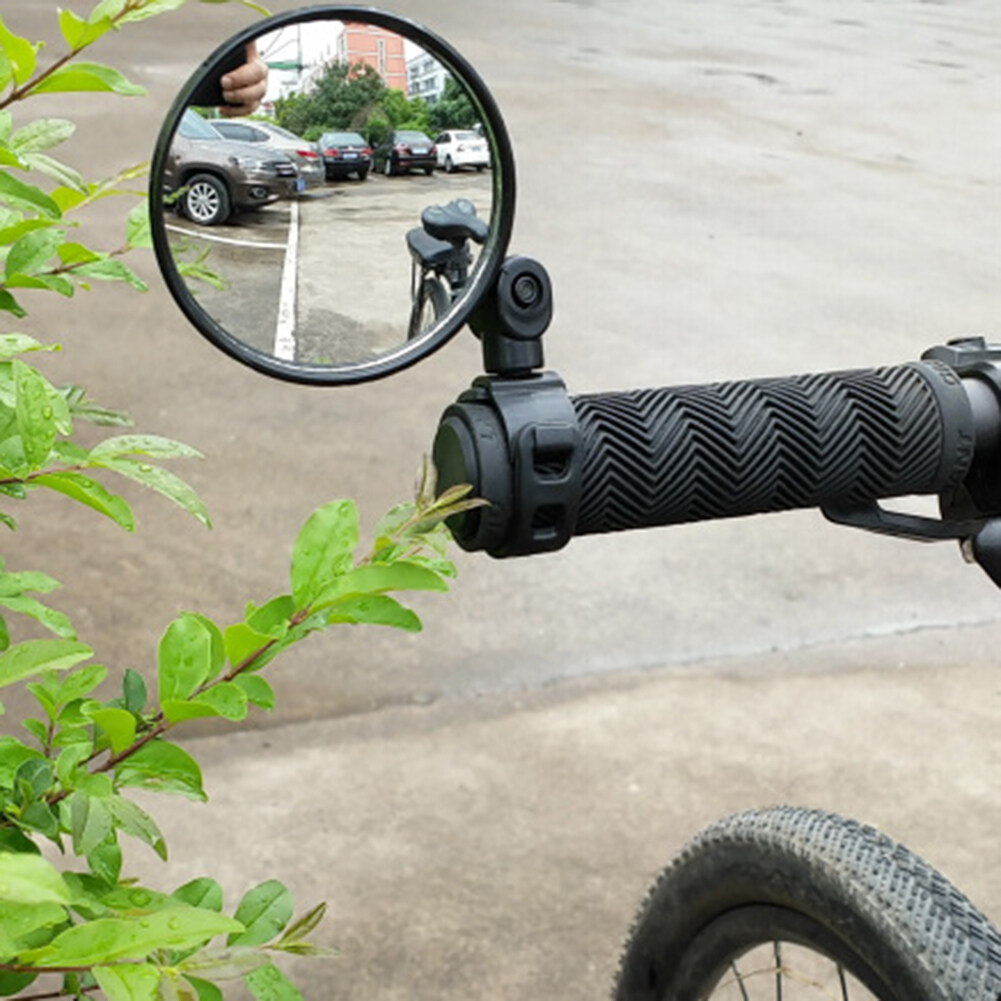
[431,302]
[798,904]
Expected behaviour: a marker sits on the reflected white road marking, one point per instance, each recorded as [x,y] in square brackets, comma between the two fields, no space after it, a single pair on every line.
[226,239]
[285,330]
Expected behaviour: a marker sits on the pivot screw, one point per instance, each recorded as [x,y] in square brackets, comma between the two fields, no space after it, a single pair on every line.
[527,290]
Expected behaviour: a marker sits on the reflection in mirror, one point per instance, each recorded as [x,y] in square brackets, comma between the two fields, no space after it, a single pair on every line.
[341,215]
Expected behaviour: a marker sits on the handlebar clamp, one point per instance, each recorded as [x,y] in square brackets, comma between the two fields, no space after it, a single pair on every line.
[518,443]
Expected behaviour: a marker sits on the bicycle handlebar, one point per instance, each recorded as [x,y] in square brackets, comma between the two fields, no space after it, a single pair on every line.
[666,456]
[553,466]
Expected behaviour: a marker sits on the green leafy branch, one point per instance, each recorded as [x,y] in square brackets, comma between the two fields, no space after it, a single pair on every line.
[36,450]
[67,780]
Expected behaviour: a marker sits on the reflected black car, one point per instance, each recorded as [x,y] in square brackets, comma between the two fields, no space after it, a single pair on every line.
[345,153]
[403,151]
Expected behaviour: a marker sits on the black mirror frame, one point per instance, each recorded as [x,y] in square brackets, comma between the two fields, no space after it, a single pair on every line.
[492,255]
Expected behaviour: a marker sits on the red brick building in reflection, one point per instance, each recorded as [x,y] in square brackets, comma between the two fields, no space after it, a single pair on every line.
[376,47]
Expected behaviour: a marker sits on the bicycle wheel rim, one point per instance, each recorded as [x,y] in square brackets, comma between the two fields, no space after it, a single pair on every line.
[717,959]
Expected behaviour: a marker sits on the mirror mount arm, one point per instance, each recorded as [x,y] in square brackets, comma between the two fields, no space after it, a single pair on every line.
[511,320]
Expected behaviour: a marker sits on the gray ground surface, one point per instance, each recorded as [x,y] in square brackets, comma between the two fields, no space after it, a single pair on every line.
[719,190]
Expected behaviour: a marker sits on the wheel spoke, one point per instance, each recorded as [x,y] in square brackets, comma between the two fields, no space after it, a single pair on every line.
[739,980]
[844,984]
[777,950]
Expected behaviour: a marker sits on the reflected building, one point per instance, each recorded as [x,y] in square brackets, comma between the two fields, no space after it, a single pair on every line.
[375,47]
[425,77]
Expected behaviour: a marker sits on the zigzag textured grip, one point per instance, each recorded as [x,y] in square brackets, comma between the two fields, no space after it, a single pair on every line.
[666,456]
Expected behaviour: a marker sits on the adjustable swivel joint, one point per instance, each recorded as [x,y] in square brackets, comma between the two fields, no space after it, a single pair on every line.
[513,435]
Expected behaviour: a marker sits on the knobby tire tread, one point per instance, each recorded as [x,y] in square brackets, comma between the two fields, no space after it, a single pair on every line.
[876,898]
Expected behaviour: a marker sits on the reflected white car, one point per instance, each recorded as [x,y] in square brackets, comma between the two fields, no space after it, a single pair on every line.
[462,148]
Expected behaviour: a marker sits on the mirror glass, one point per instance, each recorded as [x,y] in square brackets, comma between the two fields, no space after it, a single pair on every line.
[329,193]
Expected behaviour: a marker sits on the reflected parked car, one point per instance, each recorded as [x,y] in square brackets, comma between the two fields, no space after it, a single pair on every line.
[345,153]
[210,178]
[403,151]
[305,155]
[462,148]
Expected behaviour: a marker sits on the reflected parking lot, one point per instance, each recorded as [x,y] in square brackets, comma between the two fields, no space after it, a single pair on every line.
[324,279]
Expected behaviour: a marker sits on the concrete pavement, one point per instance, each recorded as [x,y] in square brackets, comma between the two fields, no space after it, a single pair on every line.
[498,847]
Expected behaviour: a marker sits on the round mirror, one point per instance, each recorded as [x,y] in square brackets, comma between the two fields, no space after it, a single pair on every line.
[332,194]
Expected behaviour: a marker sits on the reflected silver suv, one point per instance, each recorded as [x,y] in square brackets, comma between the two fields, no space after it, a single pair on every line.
[209,178]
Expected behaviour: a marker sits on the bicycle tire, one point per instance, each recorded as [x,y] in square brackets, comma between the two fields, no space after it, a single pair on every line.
[814,879]
[431,295]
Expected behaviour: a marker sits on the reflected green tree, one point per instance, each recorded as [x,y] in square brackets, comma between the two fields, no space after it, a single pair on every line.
[454,110]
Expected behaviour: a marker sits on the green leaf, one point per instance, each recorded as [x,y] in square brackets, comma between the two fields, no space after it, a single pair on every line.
[137,226]
[79,33]
[178,710]
[204,990]
[105,861]
[80,682]
[272,618]
[27,196]
[14,983]
[301,927]
[31,252]
[259,693]
[54,621]
[270,984]
[186,657]
[119,726]
[17,344]
[30,879]
[108,939]
[162,767]
[106,10]
[110,269]
[86,409]
[90,822]
[35,413]
[32,656]
[150,9]
[226,698]
[20,54]
[323,549]
[12,755]
[153,445]
[89,492]
[69,760]
[377,579]
[37,729]
[134,691]
[22,922]
[202,892]
[82,76]
[76,253]
[162,481]
[242,642]
[55,169]
[41,134]
[128,981]
[378,610]
[264,911]
[8,304]
[136,822]
[218,963]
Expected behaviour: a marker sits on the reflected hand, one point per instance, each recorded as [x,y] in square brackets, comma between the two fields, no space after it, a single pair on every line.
[244,88]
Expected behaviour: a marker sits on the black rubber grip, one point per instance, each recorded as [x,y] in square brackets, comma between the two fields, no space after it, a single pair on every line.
[692,453]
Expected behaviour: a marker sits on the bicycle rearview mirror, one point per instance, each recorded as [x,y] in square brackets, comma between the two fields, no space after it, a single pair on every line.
[344,221]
